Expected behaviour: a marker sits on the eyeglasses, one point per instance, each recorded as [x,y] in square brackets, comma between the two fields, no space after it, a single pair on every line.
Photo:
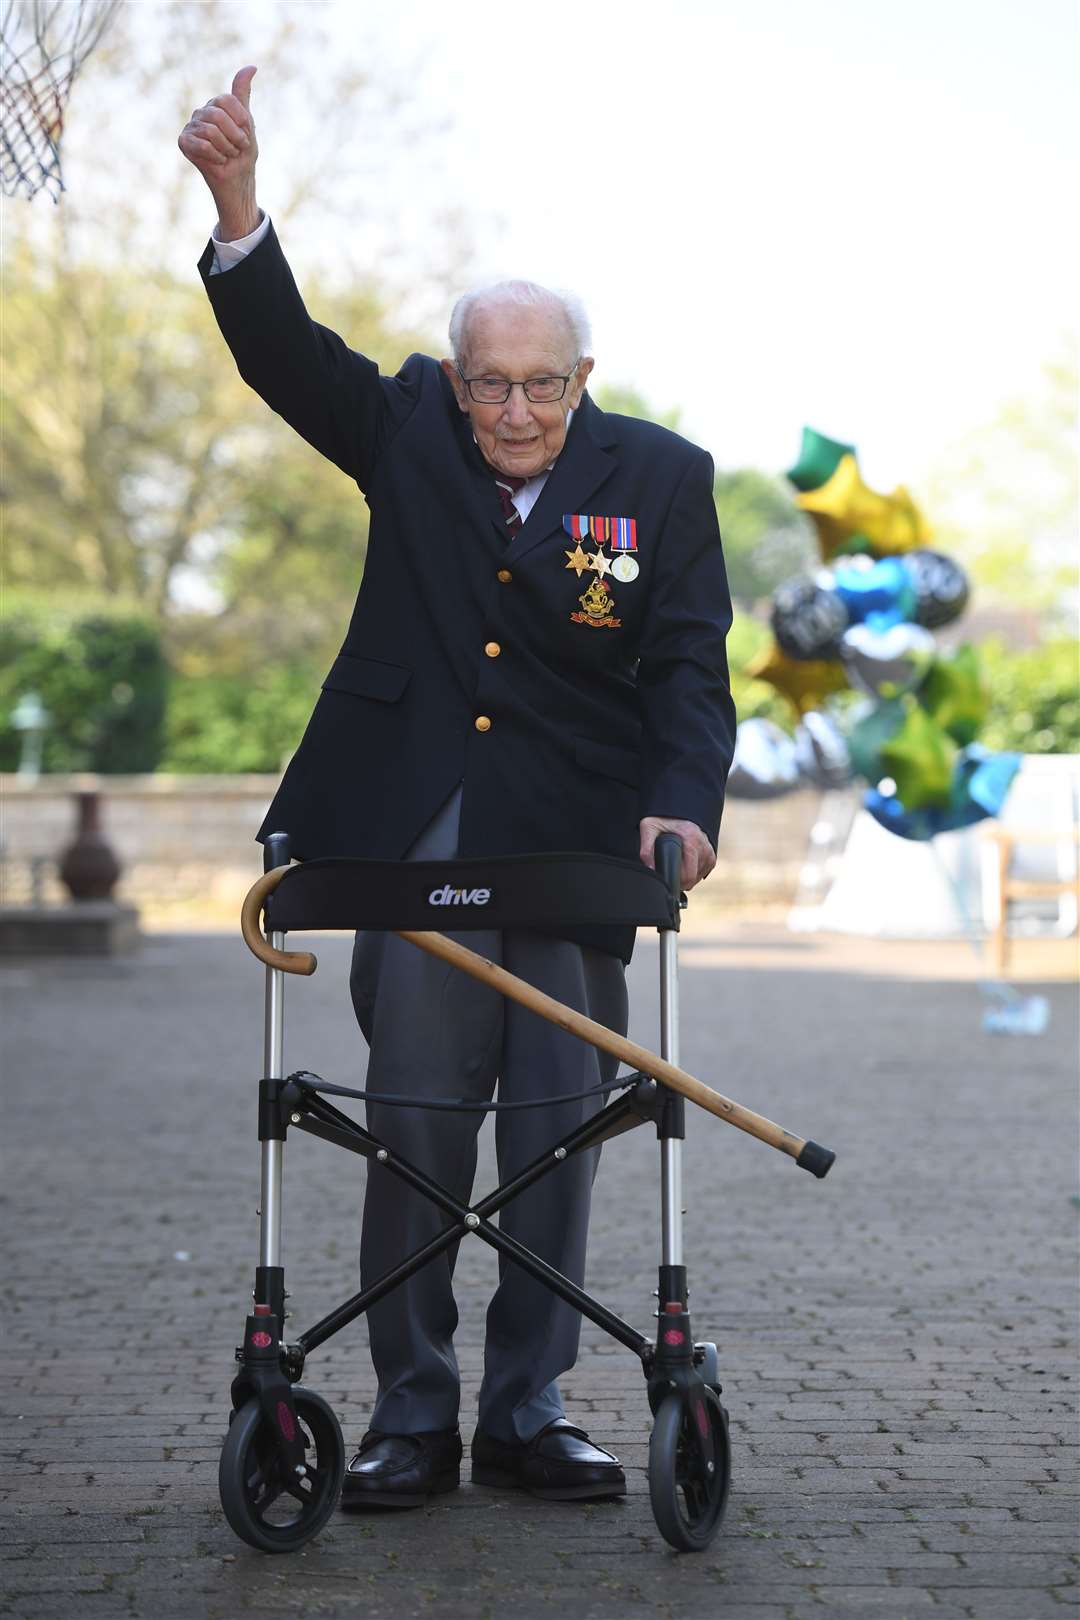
[496,390]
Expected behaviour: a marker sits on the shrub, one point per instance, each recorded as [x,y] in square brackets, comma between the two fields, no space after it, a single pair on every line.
[1034,698]
[101,675]
[226,723]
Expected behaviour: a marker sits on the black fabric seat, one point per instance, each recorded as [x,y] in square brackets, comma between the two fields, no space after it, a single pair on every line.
[544,891]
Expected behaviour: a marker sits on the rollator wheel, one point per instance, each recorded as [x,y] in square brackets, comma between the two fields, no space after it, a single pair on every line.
[687,1501]
[266,1506]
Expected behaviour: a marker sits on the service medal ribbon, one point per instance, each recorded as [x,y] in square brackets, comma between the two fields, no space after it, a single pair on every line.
[620,533]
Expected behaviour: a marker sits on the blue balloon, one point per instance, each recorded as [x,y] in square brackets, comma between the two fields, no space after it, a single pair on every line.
[879,596]
[980,786]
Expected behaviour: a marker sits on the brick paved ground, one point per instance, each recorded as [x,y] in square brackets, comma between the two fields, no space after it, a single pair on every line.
[897,1342]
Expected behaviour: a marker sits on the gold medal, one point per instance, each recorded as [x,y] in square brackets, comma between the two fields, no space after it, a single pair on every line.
[578,560]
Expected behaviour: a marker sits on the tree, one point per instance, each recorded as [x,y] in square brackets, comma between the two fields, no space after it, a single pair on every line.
[1004,499]
[137,463]
[766,537]
[622,399]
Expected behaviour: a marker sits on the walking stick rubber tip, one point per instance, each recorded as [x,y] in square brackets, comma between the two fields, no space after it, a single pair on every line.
[815,1158]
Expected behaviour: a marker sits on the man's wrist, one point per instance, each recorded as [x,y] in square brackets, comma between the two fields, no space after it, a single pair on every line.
[237,218]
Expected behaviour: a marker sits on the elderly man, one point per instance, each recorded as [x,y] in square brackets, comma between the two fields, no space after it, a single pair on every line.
[535,662]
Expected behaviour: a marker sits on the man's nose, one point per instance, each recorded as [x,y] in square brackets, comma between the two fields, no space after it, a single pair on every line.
[517,406]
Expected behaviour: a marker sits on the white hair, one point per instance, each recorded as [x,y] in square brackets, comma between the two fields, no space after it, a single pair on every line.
[523,294]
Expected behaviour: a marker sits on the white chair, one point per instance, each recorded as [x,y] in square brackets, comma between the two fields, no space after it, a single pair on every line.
[1030,858]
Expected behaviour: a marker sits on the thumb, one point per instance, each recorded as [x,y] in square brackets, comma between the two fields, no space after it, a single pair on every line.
[648,832]
[241,85]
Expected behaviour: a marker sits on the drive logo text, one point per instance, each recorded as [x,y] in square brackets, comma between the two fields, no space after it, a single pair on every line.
[446,896]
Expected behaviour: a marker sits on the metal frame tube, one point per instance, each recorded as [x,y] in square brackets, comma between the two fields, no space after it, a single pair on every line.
[671,1223]
[273,1152]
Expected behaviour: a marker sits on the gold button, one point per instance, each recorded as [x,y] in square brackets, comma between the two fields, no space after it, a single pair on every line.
[482,723]
[493,649]
[504,576]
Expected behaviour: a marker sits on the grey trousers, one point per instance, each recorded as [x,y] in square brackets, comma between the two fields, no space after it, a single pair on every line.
[433,1030]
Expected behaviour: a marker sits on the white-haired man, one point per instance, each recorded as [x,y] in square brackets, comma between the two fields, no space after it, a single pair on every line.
[535,662]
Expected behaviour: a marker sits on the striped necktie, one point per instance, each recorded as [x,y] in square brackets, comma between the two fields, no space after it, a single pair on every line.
[508,485]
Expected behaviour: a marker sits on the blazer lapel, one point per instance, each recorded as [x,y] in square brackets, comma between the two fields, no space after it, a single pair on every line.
[586,460]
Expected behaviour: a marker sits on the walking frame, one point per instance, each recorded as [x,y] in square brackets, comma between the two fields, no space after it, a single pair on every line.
[283,1459]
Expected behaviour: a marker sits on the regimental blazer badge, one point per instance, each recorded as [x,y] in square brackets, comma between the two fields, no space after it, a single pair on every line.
[597,603]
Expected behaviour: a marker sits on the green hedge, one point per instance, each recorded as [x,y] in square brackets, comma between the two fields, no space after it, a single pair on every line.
[224,723]
[101,675]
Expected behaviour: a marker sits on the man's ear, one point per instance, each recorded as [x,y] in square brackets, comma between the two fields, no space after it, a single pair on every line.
[456,383]
[580,378]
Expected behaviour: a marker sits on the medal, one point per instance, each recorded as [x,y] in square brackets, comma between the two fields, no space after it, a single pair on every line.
[599,563]
[578,560]
[625,567]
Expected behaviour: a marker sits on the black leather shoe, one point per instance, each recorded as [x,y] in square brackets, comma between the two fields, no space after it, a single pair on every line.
[402,1470]
[560,1464]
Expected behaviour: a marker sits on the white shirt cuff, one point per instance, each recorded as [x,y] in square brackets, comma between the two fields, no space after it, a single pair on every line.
[227,254]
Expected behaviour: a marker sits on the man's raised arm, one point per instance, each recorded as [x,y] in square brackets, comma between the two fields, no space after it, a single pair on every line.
[333,397]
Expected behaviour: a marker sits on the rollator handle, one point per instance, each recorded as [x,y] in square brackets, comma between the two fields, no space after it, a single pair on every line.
[667,853]
[276,851]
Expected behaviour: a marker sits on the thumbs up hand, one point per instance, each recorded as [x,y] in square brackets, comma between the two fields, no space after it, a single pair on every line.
[219,141]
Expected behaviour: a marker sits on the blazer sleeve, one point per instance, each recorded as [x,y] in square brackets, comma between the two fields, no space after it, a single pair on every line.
[333,397]
[688,716]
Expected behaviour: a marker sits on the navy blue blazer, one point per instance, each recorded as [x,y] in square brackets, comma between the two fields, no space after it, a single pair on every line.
[584,726]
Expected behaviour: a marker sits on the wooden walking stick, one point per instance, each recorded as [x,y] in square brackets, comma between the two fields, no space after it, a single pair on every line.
[808,1155]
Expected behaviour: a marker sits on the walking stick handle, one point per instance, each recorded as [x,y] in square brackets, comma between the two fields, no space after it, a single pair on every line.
[255,940]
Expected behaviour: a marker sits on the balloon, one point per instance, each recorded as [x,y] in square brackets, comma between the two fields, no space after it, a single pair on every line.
[820,751]
[879,594]
[891,523]
[886,662]
[986,778]
[954,694]
[807,620]
[920,758]
[764,764]
[804,683]
[833,538]
[851,545]
[870,734]
[980,784]
[818,459]
[941,588]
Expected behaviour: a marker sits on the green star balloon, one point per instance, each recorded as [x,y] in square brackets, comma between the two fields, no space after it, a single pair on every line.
[920,757]
[870,734]
[819,458]
[954,695]
[856,545]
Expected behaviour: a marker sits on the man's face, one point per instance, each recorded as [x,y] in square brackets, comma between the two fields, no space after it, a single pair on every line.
[515,343]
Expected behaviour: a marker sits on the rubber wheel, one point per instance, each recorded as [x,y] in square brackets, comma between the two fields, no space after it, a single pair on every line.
[266,1507]
[687,1500]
